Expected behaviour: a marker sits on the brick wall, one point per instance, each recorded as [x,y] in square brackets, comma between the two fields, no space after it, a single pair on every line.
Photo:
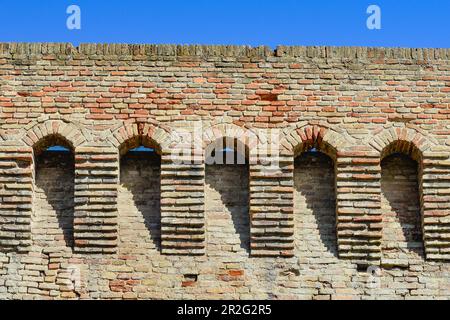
[344,193]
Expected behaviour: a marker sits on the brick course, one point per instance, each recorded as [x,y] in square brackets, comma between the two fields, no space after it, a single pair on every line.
[126,226]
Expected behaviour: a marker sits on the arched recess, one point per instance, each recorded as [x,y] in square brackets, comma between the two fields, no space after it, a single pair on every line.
[227,197]
[139,193]
[21,150]
[309,162]
[229,154]
[402,153]
[53,180]
[315,191]
[54,185]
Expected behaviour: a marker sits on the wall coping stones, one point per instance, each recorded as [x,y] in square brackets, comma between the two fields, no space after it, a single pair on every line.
[417,54]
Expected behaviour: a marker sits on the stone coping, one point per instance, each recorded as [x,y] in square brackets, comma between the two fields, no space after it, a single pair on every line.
[225,51]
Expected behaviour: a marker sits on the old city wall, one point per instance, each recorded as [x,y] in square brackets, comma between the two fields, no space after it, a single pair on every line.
[357,205]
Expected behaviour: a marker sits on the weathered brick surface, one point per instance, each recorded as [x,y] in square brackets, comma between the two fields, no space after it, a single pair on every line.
[226,208]
[402,234]
[100,222]
[53,203]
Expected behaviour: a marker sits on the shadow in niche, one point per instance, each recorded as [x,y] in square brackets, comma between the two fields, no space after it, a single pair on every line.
[400,187]
[315,180]
[140,173]
[232,183]
[55,176]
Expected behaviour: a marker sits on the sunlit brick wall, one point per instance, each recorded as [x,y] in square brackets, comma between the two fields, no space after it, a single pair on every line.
[351,200]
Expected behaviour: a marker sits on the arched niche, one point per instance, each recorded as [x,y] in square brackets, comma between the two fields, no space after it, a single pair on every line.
[227,196]
[401,201]
[139,193]
[54,185]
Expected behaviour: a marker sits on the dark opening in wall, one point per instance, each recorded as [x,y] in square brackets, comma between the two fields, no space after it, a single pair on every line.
[227,200]
[402,232]
[54,194]
[139,198]
[189,280]
[315,204]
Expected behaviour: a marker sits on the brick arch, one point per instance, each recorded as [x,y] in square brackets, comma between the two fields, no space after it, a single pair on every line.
[57,131]
[413,143]
[300,138]
[304,136]
[404,140]
[131,135]
[247,137]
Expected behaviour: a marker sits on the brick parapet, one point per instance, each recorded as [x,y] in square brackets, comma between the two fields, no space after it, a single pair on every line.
[356,105]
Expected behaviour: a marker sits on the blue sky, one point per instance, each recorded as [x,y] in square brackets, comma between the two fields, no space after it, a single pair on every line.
[410,23]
